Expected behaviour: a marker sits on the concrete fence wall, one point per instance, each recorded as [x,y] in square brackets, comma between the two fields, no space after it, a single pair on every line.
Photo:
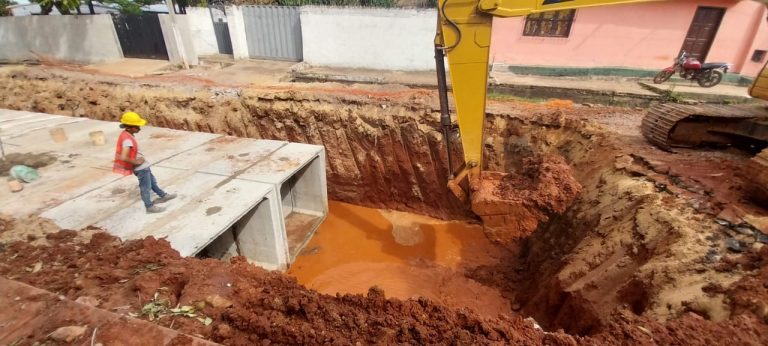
[385,39]
[179,41]
[83,39]
[201,30]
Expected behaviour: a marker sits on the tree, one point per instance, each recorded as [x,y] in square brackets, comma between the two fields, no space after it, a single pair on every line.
[4,10]
[64,6]
[130,6]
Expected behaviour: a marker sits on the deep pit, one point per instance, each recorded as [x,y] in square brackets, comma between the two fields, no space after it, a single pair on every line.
[639,243]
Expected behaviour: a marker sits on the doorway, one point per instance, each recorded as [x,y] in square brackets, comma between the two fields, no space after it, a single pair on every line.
[702,32]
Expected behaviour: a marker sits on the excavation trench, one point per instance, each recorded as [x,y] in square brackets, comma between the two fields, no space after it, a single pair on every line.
[621,244]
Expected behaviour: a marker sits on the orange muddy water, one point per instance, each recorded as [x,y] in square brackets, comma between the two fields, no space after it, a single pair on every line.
[405,254]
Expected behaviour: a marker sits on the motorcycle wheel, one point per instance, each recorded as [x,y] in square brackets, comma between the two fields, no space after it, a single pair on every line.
[662,77]
[710,79]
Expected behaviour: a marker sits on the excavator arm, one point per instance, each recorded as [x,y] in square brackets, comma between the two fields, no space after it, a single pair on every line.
[464,37]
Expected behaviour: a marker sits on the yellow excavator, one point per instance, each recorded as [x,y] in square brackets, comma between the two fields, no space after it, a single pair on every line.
[464,38]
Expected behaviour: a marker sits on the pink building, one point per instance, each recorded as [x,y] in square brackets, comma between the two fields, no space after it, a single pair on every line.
[646,36]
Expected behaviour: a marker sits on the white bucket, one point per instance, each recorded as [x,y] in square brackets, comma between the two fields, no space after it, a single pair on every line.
[97,137]
[58,135]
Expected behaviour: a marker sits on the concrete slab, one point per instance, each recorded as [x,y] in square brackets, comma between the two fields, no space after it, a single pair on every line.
[155,143]
[593,84]
[130,67]
[207,206]
[224,155]
[691,90]
[281,164]
[18,127]
[64,180]
[240,73]
[205,170]
[9,114]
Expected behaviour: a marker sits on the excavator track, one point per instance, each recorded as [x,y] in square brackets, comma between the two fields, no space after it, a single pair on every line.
[676,125]
[659,124]
[757,173]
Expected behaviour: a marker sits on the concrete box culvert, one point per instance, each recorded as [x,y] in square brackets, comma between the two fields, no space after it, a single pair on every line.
[231,191]
[258,236]
[297,174]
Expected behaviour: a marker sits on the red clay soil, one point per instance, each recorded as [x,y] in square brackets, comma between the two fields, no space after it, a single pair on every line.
[266,306]
[512,205]
[256,306]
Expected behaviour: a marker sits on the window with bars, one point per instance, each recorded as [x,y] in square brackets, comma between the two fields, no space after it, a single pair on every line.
[549,24]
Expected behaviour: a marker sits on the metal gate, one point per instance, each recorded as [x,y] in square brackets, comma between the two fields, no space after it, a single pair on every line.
[273,32]
[140,36]
[218,11]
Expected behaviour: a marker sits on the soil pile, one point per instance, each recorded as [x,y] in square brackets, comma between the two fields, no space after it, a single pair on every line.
[513,205]
[247,304]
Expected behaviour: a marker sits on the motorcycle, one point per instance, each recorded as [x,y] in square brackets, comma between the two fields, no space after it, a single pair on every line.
[706,75]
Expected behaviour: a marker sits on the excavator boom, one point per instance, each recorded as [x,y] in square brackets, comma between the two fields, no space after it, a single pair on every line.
[464,37]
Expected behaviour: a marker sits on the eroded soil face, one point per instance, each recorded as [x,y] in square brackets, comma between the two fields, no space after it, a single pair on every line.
[638,255]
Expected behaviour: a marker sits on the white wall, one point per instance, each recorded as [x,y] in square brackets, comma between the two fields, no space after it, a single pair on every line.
[201,28]
[236,26]
[383,39]
[82,39]
[179,41]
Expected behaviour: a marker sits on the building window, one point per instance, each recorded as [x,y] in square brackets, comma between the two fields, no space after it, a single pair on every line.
[758,55]
[549,24]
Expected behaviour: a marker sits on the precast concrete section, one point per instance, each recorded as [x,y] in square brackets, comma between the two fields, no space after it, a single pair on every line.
[82,39]
[262,199]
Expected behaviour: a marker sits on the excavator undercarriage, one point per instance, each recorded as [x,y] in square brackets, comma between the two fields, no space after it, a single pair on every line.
[744,126]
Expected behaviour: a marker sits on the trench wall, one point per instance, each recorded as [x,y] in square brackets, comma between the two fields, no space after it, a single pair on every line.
[84,39]
[385,157]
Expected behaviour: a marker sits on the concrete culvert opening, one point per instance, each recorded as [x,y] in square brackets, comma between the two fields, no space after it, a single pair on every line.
[650,238]
[257,236]
[304,204]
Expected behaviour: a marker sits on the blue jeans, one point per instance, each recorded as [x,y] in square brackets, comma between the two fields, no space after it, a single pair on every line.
[148,182]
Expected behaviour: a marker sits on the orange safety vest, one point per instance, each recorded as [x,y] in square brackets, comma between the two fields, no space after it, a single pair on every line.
[120,166]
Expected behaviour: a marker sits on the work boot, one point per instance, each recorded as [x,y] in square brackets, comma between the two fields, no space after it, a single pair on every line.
[166,198]
[155,209]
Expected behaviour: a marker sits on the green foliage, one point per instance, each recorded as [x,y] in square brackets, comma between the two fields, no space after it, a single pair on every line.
[671,96]
[158,308]
[64,6]
[130,6]
[363,3]
[352,3]
[4,10]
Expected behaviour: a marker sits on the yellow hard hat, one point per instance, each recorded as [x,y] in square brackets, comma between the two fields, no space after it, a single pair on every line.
[132,119]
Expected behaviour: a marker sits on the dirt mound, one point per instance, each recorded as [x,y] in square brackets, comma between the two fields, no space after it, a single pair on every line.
[253,305]
[512,205]
[248,305]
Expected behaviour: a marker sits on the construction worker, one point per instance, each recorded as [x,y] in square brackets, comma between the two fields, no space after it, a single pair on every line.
[129,160]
